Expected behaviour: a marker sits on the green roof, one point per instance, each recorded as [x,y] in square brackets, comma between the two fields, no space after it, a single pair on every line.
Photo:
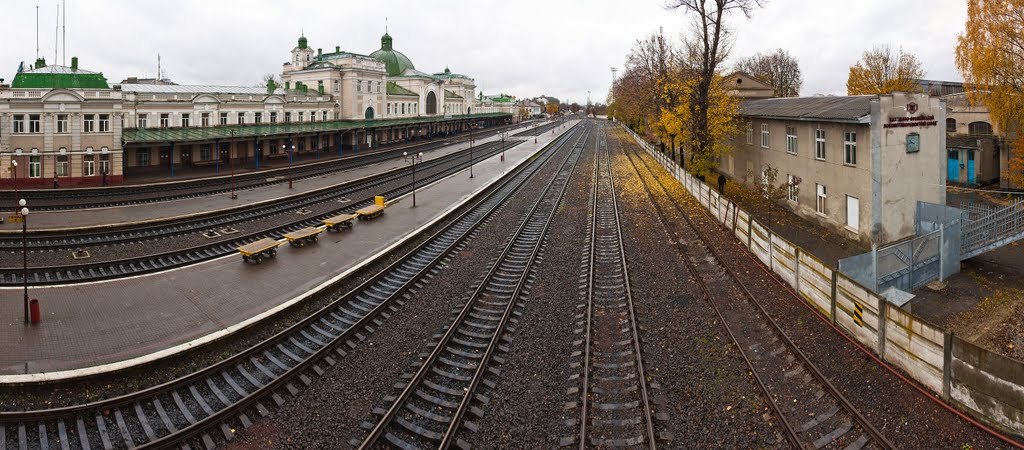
[394,60]
[450,94]
[183,134]
[59,77]
[395,89]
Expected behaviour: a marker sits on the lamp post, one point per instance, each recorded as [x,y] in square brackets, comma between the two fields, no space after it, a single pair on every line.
[503,133]
[414,157]
[24,252]
[231,162]
[471,160]
[14,174]
[289,148]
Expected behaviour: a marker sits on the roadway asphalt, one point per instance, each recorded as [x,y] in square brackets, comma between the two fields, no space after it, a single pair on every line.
[106,325]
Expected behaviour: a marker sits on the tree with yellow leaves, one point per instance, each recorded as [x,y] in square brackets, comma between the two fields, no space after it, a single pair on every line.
[881,72]
[722,120]
[988,54]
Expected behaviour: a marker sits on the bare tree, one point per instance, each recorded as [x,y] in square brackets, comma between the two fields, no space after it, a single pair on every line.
[705,49]
[778,69]
[268,77]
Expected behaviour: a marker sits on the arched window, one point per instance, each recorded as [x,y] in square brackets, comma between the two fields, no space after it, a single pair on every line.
[951,125]
[431,103]
[979,129]
[369,113]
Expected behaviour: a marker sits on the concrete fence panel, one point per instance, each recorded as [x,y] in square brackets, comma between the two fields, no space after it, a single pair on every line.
[784,261]
[759,242]
[816,282]
[705,194]
[989,384]
[743,227]
[857,313]
[724,212]
[915,346]
[713,199]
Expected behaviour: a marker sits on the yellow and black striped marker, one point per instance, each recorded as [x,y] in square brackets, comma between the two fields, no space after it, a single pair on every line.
[858,314]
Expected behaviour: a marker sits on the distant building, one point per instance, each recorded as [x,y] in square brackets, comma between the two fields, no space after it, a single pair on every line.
[857,164]
[742,85]
[69,123]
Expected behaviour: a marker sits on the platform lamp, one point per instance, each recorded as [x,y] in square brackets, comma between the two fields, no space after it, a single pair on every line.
[24,252]
[231,162]
[289,149]
[14,175]
[414,158]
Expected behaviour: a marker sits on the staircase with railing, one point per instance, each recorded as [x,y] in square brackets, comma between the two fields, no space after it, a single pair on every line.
[1001,227]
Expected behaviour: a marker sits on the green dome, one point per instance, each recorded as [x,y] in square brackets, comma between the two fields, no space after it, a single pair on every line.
[393,60]
[303,43]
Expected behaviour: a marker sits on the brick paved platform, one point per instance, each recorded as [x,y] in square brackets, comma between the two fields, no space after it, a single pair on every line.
[101,326]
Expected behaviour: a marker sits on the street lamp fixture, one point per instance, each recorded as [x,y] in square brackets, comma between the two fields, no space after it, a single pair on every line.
[414,158]
[24,252]
[289,149]
[231,161]
[14,173]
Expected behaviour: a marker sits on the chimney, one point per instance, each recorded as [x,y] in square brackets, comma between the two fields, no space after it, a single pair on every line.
[74,63]
[319,51]
[337,49]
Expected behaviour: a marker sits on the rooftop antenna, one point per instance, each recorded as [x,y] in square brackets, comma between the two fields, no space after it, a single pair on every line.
[385,24]
[56,32]
[159,76]
[37,31]
[64,34]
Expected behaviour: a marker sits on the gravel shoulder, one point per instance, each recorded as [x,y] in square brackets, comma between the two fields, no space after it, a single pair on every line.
[904,415]
[329,413]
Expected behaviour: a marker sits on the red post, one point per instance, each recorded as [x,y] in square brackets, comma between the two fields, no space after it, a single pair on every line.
[34,307]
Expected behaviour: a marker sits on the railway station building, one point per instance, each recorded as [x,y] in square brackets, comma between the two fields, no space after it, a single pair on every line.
[68,123]
[856,164]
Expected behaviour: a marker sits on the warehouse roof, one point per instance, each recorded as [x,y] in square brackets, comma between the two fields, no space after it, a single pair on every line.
[837,109]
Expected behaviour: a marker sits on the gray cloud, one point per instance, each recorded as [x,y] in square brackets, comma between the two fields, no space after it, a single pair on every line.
[523,48]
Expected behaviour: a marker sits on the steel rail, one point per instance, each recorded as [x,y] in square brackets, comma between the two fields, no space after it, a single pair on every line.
[425,366]
[792,434]
[451,237]
[602,174]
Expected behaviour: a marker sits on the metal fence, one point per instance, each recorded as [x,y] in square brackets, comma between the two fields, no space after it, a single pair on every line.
[993,230]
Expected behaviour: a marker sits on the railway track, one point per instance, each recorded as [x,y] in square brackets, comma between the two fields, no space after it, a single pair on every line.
[813,413]
[432,405]
[205,408]
[615,408]
[347,199]
[105,197]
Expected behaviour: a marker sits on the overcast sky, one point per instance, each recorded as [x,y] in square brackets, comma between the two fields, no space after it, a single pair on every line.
[524,47]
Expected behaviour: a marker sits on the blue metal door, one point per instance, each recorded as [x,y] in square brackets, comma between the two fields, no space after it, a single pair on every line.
[970,166]
[953,165]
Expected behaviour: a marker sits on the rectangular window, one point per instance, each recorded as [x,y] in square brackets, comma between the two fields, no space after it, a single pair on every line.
[104,163]
[302,116]
[204,119]
[62,165]
[791,187]
[186,120]
[142,157]
[35,167]
[819,144]
[89,165]
[19,123]
[323,116]
[258,118]
[223,118]
[750,133]
[33,124]
[359,85]
[287,117]
[89,123]
[764,135]
[104,123]
[791,140]
[850,148]
[273,117]
[821,206]
[62,123]
[204,152]
[852,213]
[165,120]
[141,121]
[241,118]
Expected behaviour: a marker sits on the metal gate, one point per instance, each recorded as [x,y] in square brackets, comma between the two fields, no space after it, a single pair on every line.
[910,264]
